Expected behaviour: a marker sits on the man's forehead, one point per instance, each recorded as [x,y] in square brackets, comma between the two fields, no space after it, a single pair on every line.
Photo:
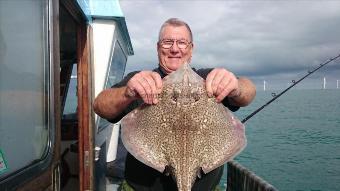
[175,32]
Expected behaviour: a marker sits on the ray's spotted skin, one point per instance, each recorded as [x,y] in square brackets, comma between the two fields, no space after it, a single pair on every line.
[185,132]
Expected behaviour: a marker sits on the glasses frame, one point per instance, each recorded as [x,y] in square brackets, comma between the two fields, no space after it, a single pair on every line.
[173,42]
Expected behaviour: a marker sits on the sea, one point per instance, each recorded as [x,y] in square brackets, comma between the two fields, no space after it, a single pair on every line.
[294,143]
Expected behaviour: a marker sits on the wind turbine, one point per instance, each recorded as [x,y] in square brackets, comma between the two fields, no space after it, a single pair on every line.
[324,83]
[264,85]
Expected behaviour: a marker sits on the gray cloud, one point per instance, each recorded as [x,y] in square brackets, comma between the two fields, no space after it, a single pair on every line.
[276,40]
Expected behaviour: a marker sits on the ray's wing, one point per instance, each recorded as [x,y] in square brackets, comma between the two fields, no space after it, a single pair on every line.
[226,137]
[141,136]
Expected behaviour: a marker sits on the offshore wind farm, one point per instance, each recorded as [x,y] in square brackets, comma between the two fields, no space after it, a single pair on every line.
[280,84]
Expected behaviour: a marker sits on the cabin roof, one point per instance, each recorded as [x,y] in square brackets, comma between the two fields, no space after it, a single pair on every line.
[101,7]
[107,9]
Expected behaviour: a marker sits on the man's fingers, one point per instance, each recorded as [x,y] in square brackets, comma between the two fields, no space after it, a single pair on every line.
[152,86]
[140,86]
[223,94]
[158,81]
[140,91]
[213,80]
[208,82]
[155,82]
[149,87]
[221,86]
[227,88]
[220,83]
[219,80]
[147,84]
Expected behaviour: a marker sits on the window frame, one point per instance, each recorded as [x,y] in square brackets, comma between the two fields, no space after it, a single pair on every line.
[40,166]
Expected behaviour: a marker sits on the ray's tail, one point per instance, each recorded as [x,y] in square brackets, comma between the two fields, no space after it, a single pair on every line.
[185,179]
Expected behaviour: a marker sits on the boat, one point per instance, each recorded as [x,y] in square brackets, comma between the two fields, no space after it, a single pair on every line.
[56,56]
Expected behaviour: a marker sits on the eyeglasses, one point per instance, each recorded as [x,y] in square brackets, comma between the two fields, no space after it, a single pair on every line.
[168,43]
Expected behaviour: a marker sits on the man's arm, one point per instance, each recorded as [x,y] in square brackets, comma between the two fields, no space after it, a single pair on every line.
[144,85]
[111,102]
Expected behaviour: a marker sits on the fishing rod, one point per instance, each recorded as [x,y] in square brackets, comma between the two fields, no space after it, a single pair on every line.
[284,91]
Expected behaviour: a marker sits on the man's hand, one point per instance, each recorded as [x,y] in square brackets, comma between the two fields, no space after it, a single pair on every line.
[145,85]
[222,83]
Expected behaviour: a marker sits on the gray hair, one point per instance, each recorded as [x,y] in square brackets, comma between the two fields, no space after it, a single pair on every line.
[176,23]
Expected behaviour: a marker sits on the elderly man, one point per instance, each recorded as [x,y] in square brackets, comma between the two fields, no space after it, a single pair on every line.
[175,46]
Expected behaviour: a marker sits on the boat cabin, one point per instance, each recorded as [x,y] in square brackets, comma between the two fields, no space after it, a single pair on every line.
[56,56]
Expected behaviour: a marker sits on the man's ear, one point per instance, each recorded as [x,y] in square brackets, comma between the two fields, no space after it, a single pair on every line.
[192,48]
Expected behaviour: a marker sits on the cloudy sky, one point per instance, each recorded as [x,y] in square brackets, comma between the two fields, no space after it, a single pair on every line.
[275,41]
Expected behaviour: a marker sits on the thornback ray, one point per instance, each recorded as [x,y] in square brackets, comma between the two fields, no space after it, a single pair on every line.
[186,131]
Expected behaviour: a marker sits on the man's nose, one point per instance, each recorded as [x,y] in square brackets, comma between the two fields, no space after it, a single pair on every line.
[174,48]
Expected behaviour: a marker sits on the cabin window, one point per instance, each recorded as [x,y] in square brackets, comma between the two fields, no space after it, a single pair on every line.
[117,66]
[116,72]
[70,109]
[24,84]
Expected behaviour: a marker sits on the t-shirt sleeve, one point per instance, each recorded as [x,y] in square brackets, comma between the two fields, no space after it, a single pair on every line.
[127,110]
[204,73]
[226,103]
[124,80]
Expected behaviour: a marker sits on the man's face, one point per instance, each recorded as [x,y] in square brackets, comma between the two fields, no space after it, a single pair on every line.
[170,59]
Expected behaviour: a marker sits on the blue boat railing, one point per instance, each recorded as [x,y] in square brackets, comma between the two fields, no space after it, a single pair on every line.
[241,179]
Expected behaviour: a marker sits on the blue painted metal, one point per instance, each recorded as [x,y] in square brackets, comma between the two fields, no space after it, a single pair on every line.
[101,7]
[108,9]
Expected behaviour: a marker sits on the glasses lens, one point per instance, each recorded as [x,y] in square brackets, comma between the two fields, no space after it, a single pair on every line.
[168,43]
[182,44]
